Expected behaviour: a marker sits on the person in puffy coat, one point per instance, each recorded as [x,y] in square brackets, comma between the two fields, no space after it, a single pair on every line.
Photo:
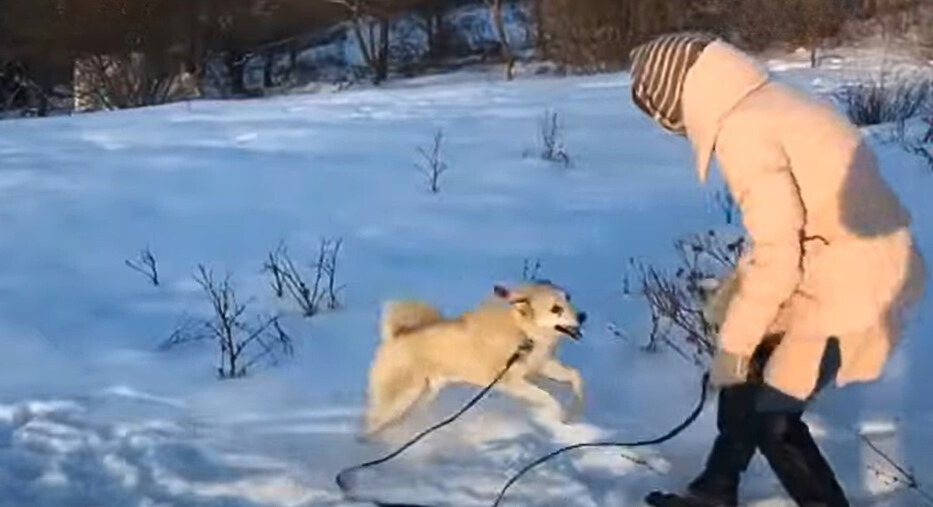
[820,295]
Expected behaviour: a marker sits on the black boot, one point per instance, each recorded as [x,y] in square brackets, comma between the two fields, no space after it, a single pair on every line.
[785,441]
[718,484]
[733,449]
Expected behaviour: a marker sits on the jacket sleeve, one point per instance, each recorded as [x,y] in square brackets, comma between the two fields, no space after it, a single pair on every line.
[773,216]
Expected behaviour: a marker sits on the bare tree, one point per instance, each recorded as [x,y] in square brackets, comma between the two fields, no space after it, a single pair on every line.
[371,21]
[242,344]
[433,24]
[145,263]
[432,165]
[819,20]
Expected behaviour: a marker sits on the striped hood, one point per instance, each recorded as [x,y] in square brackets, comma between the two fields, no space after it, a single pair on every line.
[659,69]
[690,83]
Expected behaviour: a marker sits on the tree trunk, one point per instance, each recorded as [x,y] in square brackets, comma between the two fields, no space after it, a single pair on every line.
[236,68]
[268,70]
[382,72]
[431,23]
[538,19]
[495,7]
[376,53]
[292,64]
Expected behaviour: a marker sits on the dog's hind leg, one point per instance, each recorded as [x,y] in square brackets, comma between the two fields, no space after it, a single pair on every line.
[391,406]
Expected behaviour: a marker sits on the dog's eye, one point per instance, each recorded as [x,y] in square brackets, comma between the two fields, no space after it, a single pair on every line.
[557,310]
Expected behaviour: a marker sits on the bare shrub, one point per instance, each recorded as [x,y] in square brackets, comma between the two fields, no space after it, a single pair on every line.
[145,264]
[551,139]
[243,345]
[314,290]
[885,99]
[119,81]
[431,165]
[675,301]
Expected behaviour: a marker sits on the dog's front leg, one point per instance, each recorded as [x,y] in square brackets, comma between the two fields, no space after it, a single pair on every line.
[520,388]
[554,370]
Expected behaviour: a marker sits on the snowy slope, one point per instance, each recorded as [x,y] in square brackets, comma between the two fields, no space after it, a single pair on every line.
[91,414]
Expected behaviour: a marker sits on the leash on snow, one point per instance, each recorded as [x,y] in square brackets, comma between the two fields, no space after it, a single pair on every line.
[627,445]
[523,349]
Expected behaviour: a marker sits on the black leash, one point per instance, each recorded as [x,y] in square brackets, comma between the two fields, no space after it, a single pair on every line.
[628,445]
[523,349]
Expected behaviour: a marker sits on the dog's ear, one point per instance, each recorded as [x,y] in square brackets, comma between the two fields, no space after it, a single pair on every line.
[523,307]
[502,292]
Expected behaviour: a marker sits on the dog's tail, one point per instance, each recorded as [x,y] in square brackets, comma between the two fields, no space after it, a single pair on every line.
[399,317]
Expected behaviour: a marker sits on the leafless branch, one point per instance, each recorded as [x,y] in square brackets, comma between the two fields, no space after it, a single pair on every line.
[531,270]
[551,139]
[904,477]
[727,204]
[145,264]
[273,266]
[641,462]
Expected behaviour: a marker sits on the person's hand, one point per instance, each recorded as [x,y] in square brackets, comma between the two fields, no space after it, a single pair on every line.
[728,369]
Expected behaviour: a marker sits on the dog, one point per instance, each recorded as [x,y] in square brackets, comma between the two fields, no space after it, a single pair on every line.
[422,352]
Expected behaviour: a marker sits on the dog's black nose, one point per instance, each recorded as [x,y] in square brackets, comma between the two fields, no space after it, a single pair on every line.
[581,317]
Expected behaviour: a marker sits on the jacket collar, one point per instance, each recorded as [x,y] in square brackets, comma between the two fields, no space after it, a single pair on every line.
[721,77]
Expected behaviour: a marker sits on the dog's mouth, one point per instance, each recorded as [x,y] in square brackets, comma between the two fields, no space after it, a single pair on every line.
[571,331]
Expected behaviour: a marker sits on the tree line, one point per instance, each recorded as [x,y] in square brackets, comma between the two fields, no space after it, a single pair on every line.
[131,52]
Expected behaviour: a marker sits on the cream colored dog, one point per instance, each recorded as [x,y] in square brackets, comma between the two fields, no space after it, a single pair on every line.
[421,351]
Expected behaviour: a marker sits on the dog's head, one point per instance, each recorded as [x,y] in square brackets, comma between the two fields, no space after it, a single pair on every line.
[542,308]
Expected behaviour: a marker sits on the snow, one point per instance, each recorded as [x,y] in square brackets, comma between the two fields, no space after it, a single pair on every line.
[92,414]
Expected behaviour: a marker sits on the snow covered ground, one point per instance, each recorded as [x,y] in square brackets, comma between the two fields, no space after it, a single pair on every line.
[91,414]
